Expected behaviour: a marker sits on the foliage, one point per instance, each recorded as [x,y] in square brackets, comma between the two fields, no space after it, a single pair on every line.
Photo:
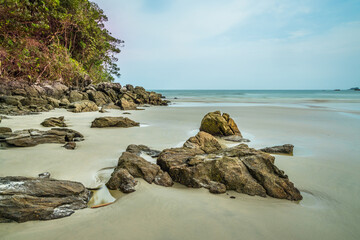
[56,40]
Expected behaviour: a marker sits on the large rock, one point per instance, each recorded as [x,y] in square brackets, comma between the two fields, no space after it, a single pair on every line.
[239,168]
[54,122]
[219,125]
[283,149]
[23,199]
[136,167]
[83,106]
[123,122]
[33,137]
[75,96]
[203,141]
[139,149]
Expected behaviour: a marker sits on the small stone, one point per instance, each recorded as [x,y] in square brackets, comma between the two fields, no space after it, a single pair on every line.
[232,197]
[70,145]
[44,175]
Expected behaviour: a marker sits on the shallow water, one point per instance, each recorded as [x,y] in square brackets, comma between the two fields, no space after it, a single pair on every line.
[324,167]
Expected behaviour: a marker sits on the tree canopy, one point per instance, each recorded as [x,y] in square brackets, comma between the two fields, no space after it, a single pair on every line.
[62,40]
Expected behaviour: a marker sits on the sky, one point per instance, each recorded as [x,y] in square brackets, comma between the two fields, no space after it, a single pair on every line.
[237,44]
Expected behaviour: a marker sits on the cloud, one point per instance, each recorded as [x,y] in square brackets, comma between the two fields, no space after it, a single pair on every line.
[234,43]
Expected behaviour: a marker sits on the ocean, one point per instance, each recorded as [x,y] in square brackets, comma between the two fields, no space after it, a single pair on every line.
[336,100]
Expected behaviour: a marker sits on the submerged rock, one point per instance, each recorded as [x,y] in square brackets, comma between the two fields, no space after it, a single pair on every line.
[123,122]
[54,122]
[235,138]
[24,199]
[132,166]
[239,168]
[284,149]
[33,137]
[219,125]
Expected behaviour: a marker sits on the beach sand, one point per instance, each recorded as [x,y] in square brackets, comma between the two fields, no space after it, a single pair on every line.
[325,167]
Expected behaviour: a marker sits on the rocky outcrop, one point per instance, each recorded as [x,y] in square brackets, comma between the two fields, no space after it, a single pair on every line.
[132,166]
[24,199]
[139,149]
[219,125]
[83,106]
[33,137]
[283,149]
[54,122]
[123,122]
[239,168]
[19,97]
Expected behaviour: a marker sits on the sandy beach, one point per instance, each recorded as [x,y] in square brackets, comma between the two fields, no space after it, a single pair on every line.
[324,167]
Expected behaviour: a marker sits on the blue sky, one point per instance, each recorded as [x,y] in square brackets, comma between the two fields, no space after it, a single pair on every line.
[237,44]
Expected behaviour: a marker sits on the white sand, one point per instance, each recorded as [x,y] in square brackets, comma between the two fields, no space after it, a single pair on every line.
[325,167]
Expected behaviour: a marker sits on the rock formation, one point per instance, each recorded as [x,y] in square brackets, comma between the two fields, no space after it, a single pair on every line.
[132,166]
[17,97]
[124,122]
[33,137]
[54,122]
[219,125]
[202,162]
[283,149]
[24,199]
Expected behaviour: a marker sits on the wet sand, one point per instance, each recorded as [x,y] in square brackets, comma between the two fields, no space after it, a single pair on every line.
[324,167]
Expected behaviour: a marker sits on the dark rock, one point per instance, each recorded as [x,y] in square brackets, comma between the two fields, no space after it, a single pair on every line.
[24,199]
[219,125]
[126,113]
[139,149]
[44,175]
[233,197]
[54,122]
[70,145]
[103,122]
[283,149]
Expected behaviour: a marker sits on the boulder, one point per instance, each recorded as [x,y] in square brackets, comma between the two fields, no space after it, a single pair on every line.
[126,104]
[24,199]
[54,122]
[136,167]
[282,149]
[5,130]
[75,96]
[83,106]
[98,97]
[239,168]
[33,137]
[203,141]
[122,180]
[123,122]
[219,125]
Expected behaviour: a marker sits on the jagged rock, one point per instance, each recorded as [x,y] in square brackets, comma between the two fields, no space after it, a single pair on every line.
[219,125]
[284,149]
[137,167]
[239,168]
[103,122]
[122,180]
[24,199]
[235,138]
[203,141]
[98,97]
[33,137]
[102,110]
[53,102]
[139,149]
[64,102]
[83,106]
[44,175]
[54,122]
[70,145]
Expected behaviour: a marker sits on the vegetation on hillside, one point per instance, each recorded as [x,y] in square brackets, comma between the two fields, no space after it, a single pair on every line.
[62,40]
